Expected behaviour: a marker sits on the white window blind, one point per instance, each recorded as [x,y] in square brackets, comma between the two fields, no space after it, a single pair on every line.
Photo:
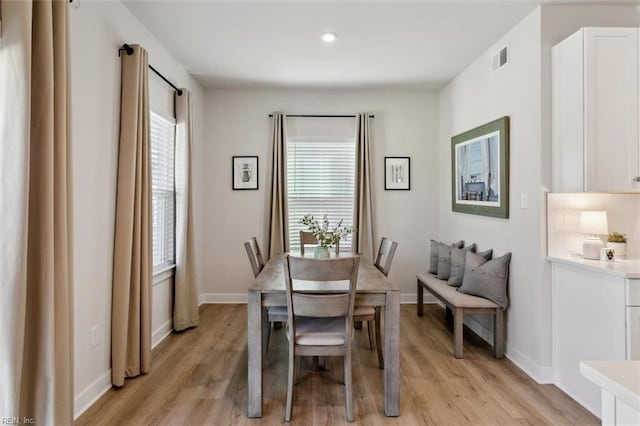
[163,190]
[320,179]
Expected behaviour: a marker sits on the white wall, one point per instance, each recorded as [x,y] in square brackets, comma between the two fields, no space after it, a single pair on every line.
[522,90]
[475,97]
[96,31]
[405,124]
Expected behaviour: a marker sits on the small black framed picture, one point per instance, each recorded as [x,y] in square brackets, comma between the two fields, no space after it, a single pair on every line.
[244,172]
[397,173]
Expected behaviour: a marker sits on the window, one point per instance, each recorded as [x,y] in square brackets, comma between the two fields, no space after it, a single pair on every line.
[163,190]
[320,179]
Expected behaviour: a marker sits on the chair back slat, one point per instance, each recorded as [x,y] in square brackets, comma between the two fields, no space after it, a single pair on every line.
[333,269]
[329,305]
[255,257]
[320,305]
[307,238]
[385,255]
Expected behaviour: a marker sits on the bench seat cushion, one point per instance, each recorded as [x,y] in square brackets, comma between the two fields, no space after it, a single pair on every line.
[454,297]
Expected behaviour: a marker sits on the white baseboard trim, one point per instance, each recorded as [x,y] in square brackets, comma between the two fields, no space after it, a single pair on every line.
[222,298]
[91,394]
[163,331]
[540,373]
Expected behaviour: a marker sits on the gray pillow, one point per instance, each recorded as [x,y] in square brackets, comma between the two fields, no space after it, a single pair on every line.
[486,254]
[433,257]
[444,259]
[458,256]
[487,279]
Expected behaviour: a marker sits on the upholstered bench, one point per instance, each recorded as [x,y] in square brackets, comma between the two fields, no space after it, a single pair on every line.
[460,304]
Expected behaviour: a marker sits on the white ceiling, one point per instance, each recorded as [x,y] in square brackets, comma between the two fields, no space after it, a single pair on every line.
[277,43]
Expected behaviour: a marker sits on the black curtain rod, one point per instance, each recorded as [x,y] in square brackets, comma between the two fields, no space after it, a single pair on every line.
[129,50]
[321,116]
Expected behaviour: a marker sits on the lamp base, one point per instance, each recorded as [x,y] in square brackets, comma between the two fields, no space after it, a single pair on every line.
[591,248]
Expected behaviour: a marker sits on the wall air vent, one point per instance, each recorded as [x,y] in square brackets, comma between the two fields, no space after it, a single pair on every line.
[500,59]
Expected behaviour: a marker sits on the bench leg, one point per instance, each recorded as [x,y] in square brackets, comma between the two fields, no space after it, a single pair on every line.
[448,314]
[458,323]
[420,292]
[498,334]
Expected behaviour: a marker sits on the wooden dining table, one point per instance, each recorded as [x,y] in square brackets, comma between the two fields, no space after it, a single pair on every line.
[373,289]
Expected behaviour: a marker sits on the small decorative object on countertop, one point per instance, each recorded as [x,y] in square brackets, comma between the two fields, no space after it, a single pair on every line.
[326,237]
[618,242]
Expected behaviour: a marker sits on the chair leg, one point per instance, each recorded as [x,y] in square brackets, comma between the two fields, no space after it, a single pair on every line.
[379,343]
[266,330]
[371,338]
[458,323]
[268,339]
[325,362]
[347,385]
[289,407]
[420,305]
[298,369]
[498,334]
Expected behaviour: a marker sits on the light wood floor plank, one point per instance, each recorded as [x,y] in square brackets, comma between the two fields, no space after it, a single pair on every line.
[199,377]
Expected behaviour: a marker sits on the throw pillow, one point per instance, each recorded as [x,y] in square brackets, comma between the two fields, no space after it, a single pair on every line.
[486,254]
[444,259]
[487,279]
[433,257]
[458,256]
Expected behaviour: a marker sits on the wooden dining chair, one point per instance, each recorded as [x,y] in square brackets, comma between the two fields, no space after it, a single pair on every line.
[371,314]
[275,314]
[320,324]
[307,238]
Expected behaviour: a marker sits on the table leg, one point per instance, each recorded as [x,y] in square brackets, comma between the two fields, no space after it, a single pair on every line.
[254,350]
[392,354]
[420,305]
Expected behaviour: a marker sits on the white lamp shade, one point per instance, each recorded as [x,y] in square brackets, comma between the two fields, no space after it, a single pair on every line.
[594,222]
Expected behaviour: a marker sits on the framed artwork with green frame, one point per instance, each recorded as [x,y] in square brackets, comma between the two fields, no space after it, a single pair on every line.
[480,170]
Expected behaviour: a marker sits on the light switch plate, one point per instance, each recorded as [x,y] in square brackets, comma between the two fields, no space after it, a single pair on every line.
[95,336]
[524,200]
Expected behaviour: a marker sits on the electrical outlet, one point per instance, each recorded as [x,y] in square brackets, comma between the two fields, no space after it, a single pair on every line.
[95,340]
[524,200]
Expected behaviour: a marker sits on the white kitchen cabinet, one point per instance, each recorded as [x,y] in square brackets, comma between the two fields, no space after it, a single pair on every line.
[588,325]
[596,119]
[596,317]
[633,332]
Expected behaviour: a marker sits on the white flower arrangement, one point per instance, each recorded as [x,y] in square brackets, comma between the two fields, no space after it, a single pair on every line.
[326,237]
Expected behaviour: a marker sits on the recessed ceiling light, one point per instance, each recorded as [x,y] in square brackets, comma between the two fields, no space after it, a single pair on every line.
[329,37]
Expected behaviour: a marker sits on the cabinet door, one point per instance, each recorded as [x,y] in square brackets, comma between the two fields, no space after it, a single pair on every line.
[588,325]
[633,332]
[611,109]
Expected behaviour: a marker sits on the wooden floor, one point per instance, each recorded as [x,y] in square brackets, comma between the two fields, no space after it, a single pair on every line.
[199,377]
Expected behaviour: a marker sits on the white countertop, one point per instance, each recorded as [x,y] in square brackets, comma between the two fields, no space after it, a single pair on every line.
[619,378]
[625,268]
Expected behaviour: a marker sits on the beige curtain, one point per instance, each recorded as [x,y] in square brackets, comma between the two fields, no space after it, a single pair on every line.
[278,223]
[132,258]
[36,342]
[185,295]
[363,240]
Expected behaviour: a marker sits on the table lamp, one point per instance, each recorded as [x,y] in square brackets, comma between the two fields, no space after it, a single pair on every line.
[593,223]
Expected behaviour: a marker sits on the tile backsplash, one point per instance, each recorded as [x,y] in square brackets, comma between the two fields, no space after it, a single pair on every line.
[563,214]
